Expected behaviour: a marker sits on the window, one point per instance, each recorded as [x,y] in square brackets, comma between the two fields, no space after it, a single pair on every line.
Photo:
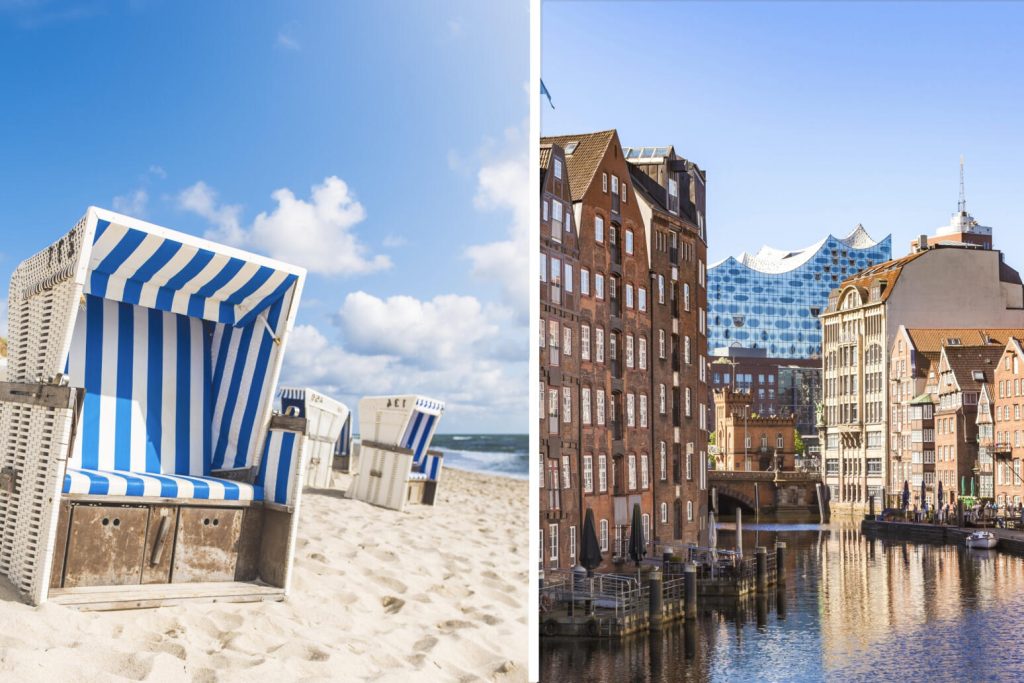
[632,472]
[686,350]
[572,546]
[599,285]
[604,182]
[588,473]
[643,411]
[661,343]
[558,168]
[568,277]
[602,482]
[600,407]
[629,241]
[544,208]
[645,474]
[631,410]
[599,343]
[553,539]
[584,281]
[778,441]
[567,340]
[664,513]
[585,342]
[629,296]
[604,535]
[646,522]
[642,298]
[686,296]
[598,229]
[661,289]
[585,405]
[643,353]
[543,268]
[553,411]
[662,462]
[615,184]
[689,511]
[689,466]
[566,404]
[661,399]
[629,350]
[556,221]
[687,402]
[703,369]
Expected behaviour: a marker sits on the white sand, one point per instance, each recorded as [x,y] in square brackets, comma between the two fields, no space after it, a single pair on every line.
[433,594]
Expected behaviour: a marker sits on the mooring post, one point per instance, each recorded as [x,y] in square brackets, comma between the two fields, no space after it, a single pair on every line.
[761,555]
[690,581]
[871,508]
[656,610]
[780,562]
[666,558]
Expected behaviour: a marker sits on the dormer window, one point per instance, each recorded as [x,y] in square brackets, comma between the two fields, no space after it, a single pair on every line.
[673,195]
[615,184]
[558,169]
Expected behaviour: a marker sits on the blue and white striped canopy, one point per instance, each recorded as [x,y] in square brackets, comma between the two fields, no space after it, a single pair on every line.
[160,269]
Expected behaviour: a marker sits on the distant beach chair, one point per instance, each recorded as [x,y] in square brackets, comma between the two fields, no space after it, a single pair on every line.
[327,423]
[140,462]
[396,465]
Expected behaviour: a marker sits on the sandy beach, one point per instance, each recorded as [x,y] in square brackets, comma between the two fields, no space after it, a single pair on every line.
[432,594]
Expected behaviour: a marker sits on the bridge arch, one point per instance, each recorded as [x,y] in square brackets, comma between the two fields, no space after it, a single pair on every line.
[729,499]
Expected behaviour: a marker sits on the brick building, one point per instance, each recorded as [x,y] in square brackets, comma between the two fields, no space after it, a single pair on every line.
[670,193]
[748,441]
[559,363]
[1008,445]
[943,283]
[623,319]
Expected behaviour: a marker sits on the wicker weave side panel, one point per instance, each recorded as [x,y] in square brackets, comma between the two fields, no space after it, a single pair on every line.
[38,442]
[42,304]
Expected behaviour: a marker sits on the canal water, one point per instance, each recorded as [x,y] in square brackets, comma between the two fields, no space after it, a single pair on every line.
[853,608]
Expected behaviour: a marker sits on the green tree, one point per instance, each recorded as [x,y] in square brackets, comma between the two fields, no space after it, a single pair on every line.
[711,439]
[798,442]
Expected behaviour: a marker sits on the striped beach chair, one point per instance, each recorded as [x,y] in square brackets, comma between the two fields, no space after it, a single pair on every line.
[396,465]
[327,423]
[141,461]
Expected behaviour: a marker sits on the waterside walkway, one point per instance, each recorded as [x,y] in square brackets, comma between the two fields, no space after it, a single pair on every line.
[1010,540]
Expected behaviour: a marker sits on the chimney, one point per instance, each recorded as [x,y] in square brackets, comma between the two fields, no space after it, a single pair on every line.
[922,242]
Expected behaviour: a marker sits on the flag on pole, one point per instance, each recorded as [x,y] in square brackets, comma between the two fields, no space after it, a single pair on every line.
[544,91]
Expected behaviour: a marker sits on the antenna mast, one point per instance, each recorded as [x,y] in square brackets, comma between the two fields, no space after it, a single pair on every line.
[962,206]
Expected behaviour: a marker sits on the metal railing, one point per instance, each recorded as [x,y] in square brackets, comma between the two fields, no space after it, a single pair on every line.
[607,595]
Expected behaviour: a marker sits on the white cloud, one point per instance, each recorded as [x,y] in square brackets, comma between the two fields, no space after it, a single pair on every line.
[158,171]
[432,333]
[316,234]
[287,41]
[133,204]
[502,186]
[393,241]
[202,199]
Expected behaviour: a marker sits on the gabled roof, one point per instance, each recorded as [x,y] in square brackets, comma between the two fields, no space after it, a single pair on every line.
[585,158]
[889,271]
[965,361]
[931,340]
[545,156]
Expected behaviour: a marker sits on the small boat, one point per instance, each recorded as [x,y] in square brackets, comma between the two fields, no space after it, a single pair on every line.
[982,539]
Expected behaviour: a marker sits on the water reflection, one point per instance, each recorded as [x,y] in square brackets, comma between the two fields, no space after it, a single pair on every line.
[853,608]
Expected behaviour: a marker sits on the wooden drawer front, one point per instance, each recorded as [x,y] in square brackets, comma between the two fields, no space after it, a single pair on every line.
[207,545]
[156,563]
[105,545]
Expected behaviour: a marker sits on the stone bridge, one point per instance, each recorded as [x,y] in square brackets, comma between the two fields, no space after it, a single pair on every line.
[787,495]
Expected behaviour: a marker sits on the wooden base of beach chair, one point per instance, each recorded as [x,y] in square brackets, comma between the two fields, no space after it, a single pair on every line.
[108,545]
[100,598]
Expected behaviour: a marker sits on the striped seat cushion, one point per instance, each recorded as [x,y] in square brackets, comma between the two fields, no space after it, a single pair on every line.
[147,485]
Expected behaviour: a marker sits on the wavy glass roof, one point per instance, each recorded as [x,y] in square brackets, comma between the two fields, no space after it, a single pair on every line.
[771,260]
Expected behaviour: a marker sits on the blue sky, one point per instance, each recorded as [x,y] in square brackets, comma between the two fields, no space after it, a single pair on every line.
[220,119]
[809,118]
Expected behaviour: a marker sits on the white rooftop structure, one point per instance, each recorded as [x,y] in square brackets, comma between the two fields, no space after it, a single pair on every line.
[771,260]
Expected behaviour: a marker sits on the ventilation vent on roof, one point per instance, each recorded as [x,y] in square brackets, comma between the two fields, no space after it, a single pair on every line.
[978,375]
[571,147]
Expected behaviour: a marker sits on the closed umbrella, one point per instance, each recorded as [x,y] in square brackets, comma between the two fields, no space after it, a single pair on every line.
[972,487]
[590,553]
[637,547]
[938,498]
[906,494]
[922,495]
[963,487]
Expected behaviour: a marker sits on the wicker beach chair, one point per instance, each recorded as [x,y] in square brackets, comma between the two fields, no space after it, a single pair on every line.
[141,461]
[395,464]
[327,423]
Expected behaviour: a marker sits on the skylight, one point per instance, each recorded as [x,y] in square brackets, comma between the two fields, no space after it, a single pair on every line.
[571,147]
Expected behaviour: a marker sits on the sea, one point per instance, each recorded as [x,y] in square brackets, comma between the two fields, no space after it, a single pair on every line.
[499,454]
